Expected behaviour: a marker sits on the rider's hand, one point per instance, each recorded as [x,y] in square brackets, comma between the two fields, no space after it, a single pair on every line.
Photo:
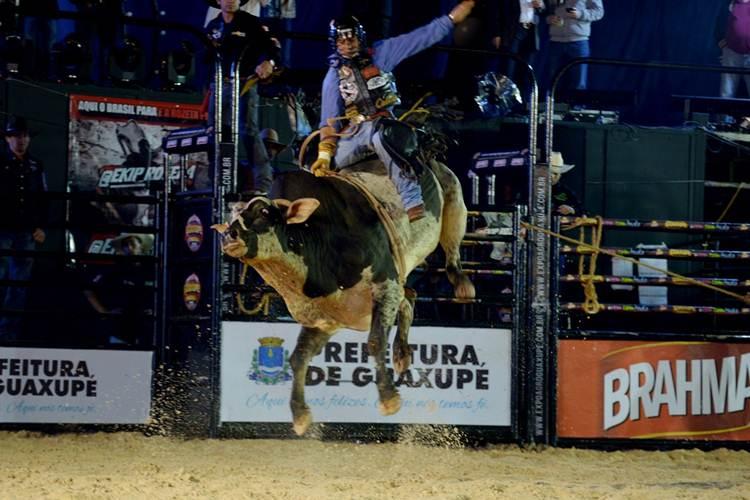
[39,235]
[461,11]
[264,70]
[322,165]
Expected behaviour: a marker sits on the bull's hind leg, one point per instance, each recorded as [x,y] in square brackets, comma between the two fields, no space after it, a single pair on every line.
[387,298]
[401,349]
[453,230]
[309,344]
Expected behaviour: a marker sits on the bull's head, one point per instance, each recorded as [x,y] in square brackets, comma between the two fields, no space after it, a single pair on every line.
[256,220]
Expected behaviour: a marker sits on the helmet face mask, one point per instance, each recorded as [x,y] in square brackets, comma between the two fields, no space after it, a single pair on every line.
[345,29]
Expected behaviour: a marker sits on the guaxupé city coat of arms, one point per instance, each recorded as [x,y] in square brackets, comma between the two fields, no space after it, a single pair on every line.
[270,364]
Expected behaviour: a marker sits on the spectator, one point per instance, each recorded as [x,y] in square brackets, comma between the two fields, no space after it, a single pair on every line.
[564,201]
[117,292]
[735,46]
[270,139]
[569,32]
[22,216]
[235,34]
[252,7]
[517,30]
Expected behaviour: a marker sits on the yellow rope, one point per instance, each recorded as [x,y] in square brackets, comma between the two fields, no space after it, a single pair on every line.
[731,202]
[687,279]
[263,304]
[414,109]
[591,303]
[331,122]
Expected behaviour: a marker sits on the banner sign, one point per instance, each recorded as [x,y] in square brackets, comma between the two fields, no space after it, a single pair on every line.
[67,386]
[458,376]
[115,147]
[653,390]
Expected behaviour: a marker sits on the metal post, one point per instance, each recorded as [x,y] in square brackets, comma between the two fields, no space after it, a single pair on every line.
[539,309]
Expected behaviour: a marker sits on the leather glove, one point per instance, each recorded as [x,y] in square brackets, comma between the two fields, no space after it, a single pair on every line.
[322,166]
[461,11]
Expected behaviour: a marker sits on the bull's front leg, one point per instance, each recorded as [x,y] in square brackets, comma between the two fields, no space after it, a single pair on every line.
[401,352]
[386,300]
[309,344]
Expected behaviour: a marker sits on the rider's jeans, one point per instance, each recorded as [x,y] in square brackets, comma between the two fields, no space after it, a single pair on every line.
[368,140]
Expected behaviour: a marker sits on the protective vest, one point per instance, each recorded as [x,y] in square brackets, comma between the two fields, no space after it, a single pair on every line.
[366,89]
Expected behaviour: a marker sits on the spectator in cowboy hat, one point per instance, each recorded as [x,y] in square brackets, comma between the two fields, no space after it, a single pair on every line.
[270,138]
[22,215]
[564,201]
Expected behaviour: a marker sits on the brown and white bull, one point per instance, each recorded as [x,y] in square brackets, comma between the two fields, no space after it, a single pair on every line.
[320,243]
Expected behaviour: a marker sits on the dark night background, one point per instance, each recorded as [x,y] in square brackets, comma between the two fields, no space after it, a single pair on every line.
[642,30]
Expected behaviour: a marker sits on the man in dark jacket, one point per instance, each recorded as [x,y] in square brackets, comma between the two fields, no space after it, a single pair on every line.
[517,31]
[237,34]
[22,216]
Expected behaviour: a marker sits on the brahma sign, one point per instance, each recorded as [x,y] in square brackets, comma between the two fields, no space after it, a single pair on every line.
[653,390]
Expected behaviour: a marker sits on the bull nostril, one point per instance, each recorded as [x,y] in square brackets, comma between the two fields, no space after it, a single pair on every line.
[233,234]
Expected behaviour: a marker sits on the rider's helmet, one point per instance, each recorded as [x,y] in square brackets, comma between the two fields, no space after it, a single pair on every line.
[346,27]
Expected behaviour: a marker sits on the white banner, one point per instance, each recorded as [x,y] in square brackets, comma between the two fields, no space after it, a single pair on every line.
[459,376]
[62,386]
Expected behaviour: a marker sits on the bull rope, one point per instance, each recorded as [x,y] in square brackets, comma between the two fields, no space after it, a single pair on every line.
[394,238]
[597,249]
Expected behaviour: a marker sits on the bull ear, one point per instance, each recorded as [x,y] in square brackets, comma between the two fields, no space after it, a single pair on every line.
[282,203]
[300,210]
[221,228]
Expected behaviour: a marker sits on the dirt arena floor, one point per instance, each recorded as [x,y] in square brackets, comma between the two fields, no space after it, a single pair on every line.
[132,466]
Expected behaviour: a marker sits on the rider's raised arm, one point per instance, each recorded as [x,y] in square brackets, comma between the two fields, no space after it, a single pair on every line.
[391,51]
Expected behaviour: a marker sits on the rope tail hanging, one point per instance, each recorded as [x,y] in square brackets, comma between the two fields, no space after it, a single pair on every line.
[264,303]
[591,303]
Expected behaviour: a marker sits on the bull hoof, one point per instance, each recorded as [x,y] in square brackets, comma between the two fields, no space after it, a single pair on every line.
[401,362]
[464,288]
[302,423]
[390,406]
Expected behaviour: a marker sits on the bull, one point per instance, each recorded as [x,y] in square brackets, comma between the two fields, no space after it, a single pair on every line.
[320,243]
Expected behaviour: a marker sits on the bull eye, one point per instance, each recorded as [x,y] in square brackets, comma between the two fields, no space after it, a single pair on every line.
[234,234]
[265,212]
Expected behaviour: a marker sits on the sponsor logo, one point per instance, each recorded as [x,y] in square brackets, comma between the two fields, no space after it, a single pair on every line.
[676,388]
[654,390]
[113,176]
[191,292]
[270,365]
[194,233]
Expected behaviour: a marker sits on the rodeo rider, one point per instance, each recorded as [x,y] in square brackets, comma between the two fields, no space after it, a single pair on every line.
[358,96]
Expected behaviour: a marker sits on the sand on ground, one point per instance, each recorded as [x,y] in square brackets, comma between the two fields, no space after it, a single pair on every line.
[132,466]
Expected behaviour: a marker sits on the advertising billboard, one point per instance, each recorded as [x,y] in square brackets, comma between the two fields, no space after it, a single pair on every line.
[458,376]
[78,386]
[653,390]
